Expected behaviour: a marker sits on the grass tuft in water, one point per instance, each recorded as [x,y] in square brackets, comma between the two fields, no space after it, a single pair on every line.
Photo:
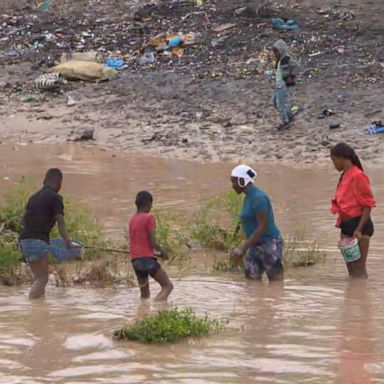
[225,265]
[302,253]
[104,272]
[169,326]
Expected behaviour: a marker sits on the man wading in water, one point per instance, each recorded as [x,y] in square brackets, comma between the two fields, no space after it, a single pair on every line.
[264,244]
[286,74]
[44,209]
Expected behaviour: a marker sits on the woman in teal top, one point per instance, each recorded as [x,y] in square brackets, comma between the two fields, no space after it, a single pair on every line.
[264,244]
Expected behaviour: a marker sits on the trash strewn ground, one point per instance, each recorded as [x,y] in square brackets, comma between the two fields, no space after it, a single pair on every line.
[193,78]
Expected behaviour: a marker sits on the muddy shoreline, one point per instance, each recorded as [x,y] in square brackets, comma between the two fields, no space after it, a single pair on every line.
[213,103]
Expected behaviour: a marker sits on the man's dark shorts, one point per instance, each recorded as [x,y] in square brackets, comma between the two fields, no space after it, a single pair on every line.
[145,266]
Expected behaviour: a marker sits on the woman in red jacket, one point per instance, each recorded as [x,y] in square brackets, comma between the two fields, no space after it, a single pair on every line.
[353,203]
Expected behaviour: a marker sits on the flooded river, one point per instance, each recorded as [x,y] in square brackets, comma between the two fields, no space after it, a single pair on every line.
[319,329]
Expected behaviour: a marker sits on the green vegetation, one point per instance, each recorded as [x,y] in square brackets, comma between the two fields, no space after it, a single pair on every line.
[225,265]
[15,201]
[171,236]
[9,261]
[302,254]
[80,223]
[104,272]
[214,225]
[169,326]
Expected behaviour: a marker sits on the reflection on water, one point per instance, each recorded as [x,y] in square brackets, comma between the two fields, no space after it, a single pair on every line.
[307,332]
[318,329]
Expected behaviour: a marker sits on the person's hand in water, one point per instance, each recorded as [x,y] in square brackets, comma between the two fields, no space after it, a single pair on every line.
[238,252]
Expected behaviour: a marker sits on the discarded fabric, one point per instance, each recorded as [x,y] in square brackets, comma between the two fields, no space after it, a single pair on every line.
[48,81]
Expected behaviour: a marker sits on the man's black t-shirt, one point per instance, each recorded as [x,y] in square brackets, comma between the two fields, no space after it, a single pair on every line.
[40,214]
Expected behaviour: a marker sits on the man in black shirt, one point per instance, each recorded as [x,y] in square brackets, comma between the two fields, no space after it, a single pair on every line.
[44,209]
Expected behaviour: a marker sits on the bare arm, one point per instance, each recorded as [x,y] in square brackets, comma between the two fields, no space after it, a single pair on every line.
[262,219]
[156,246]
[63,230]
[364,218]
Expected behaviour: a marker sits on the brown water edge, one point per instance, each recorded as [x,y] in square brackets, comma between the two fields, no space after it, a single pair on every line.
[319,329]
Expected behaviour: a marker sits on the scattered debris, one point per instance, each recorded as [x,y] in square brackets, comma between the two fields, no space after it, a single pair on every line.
[49,81]
[117,64]
[376,128]
[335,126]
[224,27]
[284,25]
[147,58]
[70,101]
[327,112]
[81,56]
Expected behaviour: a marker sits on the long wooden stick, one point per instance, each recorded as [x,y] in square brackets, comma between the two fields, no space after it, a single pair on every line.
[112,250]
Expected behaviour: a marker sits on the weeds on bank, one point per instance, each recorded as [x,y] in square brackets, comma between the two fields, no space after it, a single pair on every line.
[169,326]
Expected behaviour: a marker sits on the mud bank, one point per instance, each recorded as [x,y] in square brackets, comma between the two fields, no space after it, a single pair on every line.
[211,104]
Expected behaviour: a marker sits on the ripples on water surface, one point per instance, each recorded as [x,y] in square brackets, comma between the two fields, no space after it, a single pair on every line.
[319,329]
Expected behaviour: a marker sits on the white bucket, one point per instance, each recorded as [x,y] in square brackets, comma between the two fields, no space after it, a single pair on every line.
[350,250]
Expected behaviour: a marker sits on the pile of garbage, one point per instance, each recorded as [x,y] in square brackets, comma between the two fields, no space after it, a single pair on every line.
[205,38]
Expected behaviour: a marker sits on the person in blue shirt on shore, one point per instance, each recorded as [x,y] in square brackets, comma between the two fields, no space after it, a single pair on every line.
[264,244]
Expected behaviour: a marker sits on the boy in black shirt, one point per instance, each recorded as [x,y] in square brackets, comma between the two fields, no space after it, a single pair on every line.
[44,209]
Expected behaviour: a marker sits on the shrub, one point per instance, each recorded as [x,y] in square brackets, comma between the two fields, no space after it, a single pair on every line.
[9,257]
[169,326]
[15,201]
[215,224]
[171,235]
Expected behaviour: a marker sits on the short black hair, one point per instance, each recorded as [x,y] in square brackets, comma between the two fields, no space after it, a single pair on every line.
[53,174]
[143,198]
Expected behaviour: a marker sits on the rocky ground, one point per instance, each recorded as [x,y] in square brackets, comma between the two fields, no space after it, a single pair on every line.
[214,102]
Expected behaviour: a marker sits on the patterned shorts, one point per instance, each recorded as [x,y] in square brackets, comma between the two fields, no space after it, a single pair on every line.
[267,257]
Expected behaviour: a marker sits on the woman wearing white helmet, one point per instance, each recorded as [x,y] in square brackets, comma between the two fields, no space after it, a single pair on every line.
[264,244]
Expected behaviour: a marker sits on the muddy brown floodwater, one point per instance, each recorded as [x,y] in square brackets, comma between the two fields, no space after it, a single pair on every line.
[319,329]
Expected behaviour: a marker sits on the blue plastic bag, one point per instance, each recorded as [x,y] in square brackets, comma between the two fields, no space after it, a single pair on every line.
[282,25]
[114,63]
[375,128]
[174,42]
